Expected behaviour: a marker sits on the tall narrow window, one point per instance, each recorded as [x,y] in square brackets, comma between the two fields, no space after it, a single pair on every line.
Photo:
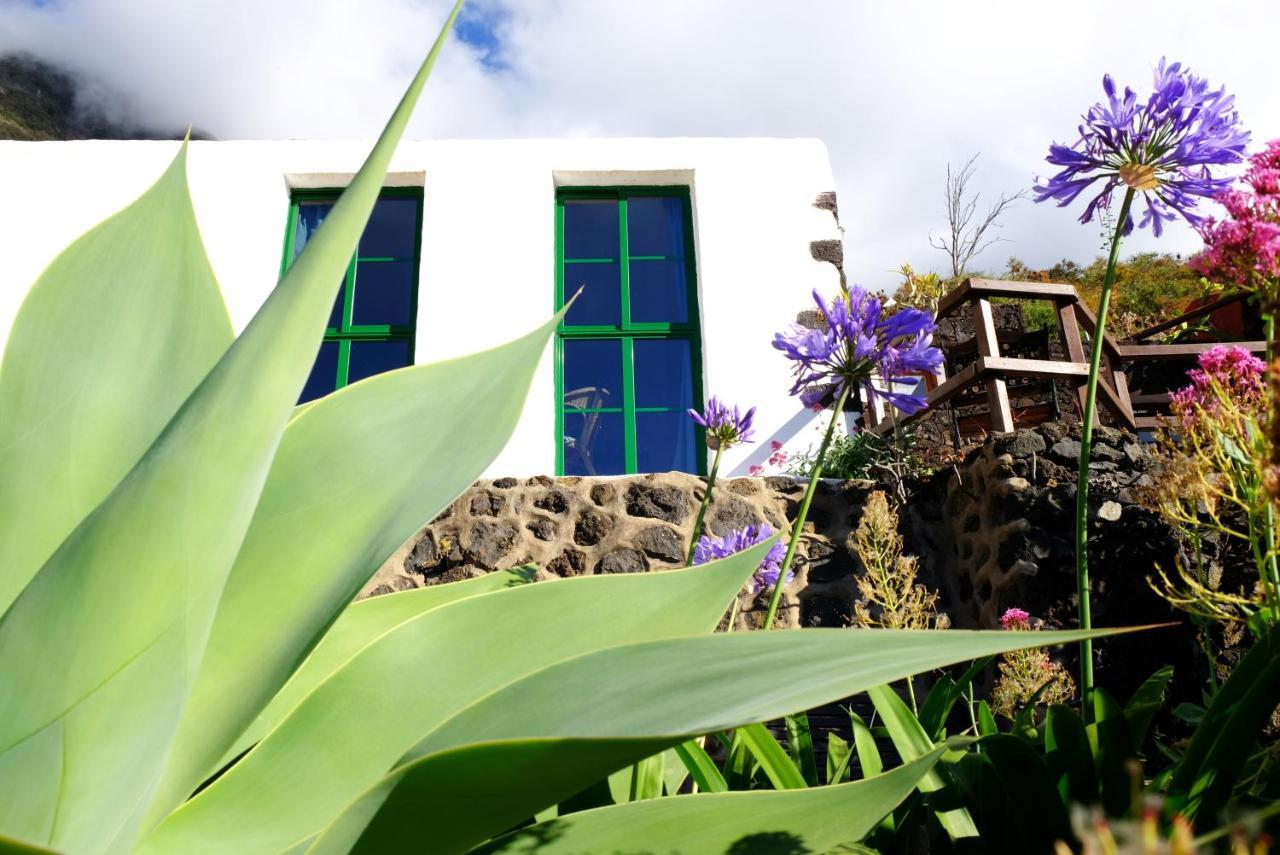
[628,352]
[371,327]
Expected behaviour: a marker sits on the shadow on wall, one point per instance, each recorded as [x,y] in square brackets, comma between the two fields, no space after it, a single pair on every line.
[760,453]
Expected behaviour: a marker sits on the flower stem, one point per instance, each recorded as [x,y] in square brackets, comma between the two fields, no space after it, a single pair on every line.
[804,510]
[1269,520]
[1086,449]
[702,509]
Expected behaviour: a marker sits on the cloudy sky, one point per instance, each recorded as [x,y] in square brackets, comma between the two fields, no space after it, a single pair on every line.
[895,89]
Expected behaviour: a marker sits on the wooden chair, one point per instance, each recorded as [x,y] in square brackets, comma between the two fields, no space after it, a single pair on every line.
[586,398]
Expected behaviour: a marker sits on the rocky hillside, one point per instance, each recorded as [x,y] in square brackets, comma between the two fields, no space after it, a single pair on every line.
[38,101]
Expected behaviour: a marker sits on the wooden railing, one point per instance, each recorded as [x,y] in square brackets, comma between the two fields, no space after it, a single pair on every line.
[994,371]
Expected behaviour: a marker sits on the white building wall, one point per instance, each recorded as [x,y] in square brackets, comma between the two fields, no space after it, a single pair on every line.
[488,253]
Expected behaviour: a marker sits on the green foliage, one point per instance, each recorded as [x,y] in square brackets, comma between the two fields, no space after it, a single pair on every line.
[861,455]
[1150,287]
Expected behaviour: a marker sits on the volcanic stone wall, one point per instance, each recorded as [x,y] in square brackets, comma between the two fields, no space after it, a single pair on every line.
[991,532]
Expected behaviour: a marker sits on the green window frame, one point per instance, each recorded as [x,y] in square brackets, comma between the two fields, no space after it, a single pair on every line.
[627,331]
[347,332]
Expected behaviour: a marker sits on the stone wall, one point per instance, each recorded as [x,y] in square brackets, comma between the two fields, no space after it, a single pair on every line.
[992,532]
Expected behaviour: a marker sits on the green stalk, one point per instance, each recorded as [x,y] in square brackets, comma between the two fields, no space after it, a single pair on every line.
[1269,521]
[804,510]
[1086,450]
[702,509]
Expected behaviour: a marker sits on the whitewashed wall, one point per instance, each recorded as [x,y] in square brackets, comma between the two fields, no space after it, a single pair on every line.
[488,252]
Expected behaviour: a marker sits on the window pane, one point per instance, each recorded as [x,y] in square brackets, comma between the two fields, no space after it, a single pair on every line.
[590,228]
[374,357]
[324,373]
[600,303]
[655,226]
[593,444]
[659,293]
[310,216]
[392,229]
[592,374]
[665,442]
[664,373]
[384,293]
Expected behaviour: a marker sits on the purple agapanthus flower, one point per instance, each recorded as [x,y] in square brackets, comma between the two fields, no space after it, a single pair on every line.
[725,427]
[1162,147]
[711,548]
[857,343]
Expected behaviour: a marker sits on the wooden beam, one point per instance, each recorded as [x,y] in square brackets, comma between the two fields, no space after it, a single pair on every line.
[956,383]
[1004,288]
[1148,352]
[1074,346]
[984,328]
[1032,367]
[1090,322]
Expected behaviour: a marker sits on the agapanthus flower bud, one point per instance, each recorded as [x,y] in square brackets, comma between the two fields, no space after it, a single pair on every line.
[724,427]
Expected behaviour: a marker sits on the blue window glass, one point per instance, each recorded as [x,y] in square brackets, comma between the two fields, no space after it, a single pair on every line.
[392,231]
[659,292]
[655,226]
[592,373]
[593,444]
[665,442]
[663,372]
[591,228]
[600,303]
[383,293]
[308,218]
[374,357]
[324,374]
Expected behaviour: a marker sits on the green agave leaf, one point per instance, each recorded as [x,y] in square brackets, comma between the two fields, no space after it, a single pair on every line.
[864,743]
[1069,757]
[346,735]
[107,345]
[357,626]
[102,647]
[1037,814]
[811,820]
[774,761]
[911,741]
[13,846]
[800,747]
[701,767]
[1112,751]
[674,774]
[355,476]
[839,755]
[1205,779]
[648,696]
[646,778]
[1145,703]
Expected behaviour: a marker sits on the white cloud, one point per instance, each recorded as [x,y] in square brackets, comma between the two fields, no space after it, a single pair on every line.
[895,89]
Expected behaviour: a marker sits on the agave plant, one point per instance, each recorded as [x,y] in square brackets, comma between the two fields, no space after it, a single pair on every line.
[181,668]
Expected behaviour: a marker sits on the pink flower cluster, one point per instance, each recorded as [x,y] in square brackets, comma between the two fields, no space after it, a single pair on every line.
[1244,249]
[1223,370]
[777,460]
[1015,619]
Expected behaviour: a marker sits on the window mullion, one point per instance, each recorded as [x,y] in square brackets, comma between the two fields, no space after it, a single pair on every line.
[628,406]
[344,362]
[624,263]
[349,294]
